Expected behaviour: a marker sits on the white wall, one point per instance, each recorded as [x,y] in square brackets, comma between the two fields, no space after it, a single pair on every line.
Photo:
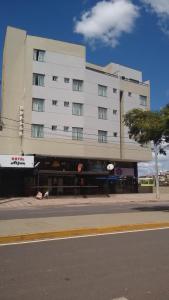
[62,66]
[93,101]
[73,67]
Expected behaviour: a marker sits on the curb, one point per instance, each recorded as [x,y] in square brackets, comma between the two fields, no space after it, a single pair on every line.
[80,232]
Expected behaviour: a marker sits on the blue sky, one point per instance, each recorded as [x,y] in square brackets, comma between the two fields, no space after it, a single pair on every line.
[130,32]
[145,47]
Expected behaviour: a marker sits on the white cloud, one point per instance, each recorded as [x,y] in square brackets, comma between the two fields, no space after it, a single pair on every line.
[161,8]
[107,21]
[148,168]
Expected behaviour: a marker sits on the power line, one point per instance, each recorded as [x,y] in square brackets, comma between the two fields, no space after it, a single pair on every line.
[67,141]
[70,131]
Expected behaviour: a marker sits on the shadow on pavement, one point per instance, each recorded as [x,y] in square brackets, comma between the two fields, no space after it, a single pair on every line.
[164,208]
[6,200]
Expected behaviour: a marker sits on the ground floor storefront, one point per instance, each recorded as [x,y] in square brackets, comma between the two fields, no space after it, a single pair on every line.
[69,176]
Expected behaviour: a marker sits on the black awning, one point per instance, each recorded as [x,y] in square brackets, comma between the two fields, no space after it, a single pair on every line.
[70,173]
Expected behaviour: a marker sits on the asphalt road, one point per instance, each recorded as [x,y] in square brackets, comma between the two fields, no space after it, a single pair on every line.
[90,209]
[132,266]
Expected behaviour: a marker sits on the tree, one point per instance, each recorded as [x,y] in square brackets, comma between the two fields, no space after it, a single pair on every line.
[165,117]
[146,126]
[149,126]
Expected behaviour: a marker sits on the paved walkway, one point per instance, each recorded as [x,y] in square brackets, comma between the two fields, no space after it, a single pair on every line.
[38,228]
[21,202]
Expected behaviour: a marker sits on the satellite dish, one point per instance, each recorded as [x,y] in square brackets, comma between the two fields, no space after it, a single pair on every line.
[110,167]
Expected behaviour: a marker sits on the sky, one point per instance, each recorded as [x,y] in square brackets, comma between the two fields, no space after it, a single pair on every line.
[134,33]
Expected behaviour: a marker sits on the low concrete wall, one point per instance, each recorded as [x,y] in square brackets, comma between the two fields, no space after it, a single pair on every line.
[145,189]
[163,189]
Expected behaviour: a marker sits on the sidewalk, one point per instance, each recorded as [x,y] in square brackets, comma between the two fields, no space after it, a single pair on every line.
[19,230]
[23,202]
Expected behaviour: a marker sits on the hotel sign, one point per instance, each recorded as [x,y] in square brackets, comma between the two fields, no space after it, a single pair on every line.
[16,161]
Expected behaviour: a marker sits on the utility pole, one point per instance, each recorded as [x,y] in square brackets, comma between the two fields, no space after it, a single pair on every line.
[156,172]
[156,152]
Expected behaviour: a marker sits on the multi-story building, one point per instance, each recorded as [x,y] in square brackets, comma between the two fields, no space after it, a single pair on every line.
[73,115]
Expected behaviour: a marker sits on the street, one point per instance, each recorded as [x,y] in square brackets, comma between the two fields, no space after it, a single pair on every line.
[76,210]
[132,266]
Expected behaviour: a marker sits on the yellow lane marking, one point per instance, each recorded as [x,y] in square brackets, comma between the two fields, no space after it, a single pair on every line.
[80,232]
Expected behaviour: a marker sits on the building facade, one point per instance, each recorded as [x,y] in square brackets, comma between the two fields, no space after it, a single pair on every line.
[68,114]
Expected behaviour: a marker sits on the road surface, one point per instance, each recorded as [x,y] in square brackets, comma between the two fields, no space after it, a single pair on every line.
[89,209]
[132,266]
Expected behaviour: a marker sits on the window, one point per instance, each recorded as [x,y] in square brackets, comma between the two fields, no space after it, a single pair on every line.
[114,91]
[102,113]
[102,90]
[54,78]
[54,127]
[38,79]
[66,80]
[102,136]
[114,111]
[38,104]
[115,134]
[77,109]
[129,94]
[66,103]
[143,100]
[77,133]
[38,55]
[77,85]
[37,131]
[66,128]
[54,102]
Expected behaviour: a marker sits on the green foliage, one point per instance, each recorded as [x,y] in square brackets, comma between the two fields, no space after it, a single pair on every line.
[146,126]
[165,116]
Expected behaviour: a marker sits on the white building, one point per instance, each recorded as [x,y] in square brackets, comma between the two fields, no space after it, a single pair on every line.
[73,110]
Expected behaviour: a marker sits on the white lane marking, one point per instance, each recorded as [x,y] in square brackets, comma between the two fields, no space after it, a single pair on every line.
[81,236]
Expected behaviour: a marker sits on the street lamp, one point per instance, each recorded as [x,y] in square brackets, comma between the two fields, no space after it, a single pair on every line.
[156,152]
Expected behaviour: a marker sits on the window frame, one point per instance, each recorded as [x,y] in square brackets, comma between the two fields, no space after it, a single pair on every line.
[102,113]
[102,138]
[37,135]
[54,101]
[36,78]
[37,53]
[78,135]
[66,80]
[66,103]
[75,107]
[54,78]
[43,105]
[66,128]
[79,86]
[54,127]
[102,90]
[141,98]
